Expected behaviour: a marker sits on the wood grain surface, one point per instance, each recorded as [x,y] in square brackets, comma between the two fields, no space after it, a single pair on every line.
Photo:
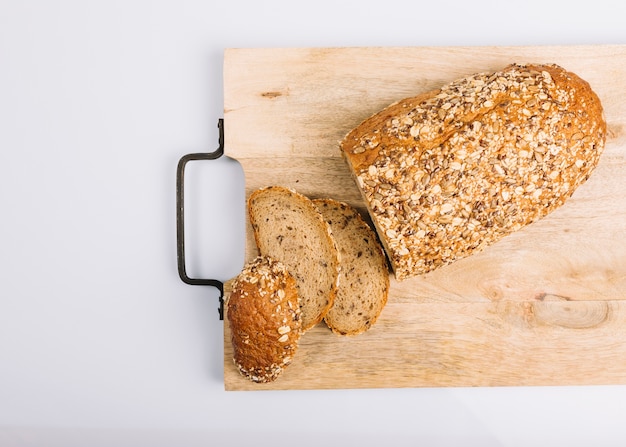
[544,306]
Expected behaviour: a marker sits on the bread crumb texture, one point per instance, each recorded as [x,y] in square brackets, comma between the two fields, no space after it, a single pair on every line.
[449,172]
[363,276]
[264,316]
[289,228]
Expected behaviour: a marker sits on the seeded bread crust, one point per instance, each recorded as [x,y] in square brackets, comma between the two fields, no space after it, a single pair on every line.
[289,228]
[449,172]
[264,316]
[364,275]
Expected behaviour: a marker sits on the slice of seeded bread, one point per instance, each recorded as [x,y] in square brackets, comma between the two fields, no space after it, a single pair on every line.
[288,227]
[364,274]
[264,316]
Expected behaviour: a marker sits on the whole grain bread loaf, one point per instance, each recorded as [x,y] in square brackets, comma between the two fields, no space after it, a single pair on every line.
[263,312]
[451,171]
[289,228]
[363,276]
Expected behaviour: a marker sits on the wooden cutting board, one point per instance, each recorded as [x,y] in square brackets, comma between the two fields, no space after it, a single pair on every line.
[544,306]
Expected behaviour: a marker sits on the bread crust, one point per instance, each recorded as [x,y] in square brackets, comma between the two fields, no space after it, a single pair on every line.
[449,172]
[264,316]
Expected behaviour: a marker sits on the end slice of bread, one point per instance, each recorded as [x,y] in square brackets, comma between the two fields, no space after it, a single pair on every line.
[364,273]
[288,227]
[264,316]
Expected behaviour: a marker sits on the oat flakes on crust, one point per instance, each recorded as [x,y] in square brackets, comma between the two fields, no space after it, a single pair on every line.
[264,316]
[449,172]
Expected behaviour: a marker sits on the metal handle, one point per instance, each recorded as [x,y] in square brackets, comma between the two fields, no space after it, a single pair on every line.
[180,219]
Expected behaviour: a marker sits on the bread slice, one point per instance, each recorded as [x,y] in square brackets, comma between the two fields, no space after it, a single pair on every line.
[288,227]
[363,274]
[264,316]
[446,173]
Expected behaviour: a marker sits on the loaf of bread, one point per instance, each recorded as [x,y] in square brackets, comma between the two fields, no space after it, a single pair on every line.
[363,274]
[449,172]
[263,312]
[289,228]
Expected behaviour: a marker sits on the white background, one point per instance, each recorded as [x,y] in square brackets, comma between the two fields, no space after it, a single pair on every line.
[101,344]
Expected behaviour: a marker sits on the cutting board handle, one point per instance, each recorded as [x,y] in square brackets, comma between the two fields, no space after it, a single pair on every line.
[180,220]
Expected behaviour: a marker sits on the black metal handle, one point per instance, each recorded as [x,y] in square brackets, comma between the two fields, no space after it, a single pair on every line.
[180,219]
